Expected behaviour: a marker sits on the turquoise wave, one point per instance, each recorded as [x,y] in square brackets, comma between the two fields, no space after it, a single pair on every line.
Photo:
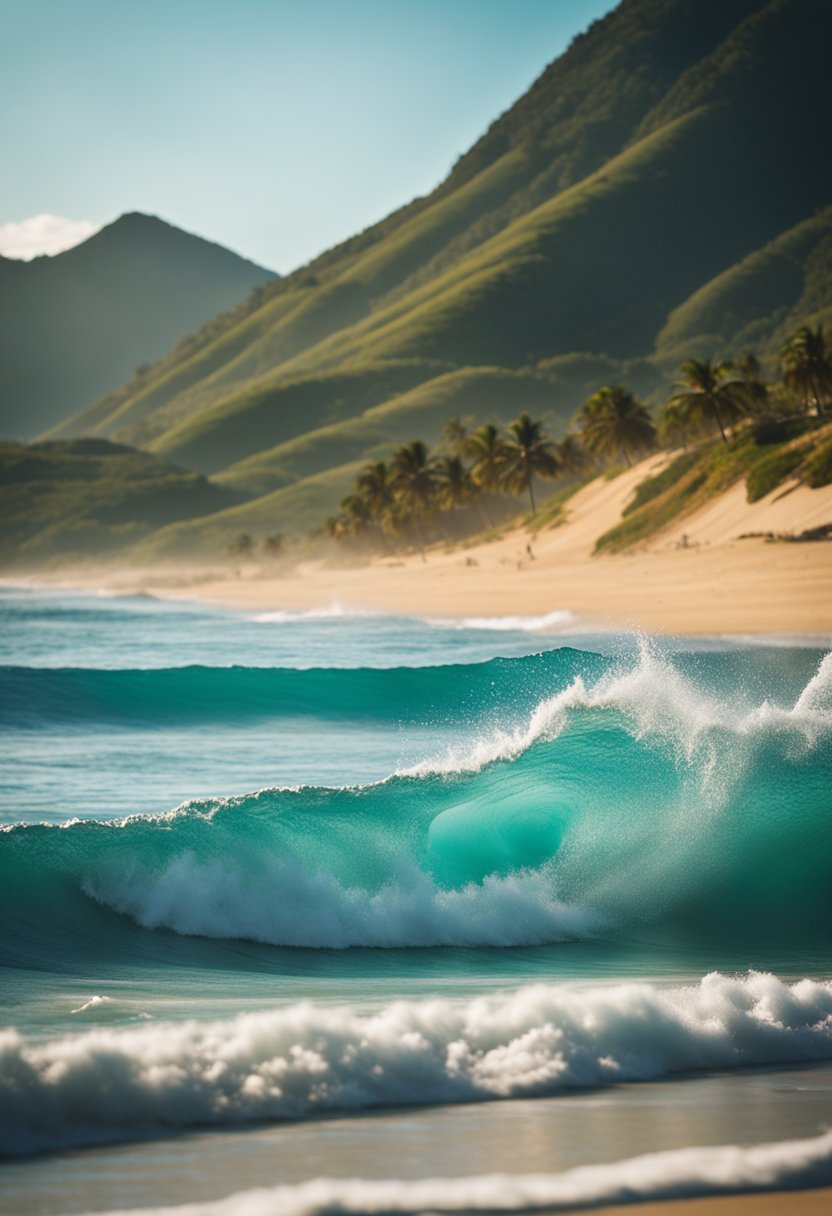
[38,697]
[622,803]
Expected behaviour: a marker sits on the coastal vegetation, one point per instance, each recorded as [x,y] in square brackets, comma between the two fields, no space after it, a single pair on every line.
[766,432]
[765,456]
[730,418]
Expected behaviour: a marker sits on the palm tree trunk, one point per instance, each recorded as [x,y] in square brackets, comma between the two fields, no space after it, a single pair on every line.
[719,423]
[816,396]
[531,495]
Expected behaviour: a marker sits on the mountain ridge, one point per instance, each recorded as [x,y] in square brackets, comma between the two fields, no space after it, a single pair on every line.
[604,221]
[73,323]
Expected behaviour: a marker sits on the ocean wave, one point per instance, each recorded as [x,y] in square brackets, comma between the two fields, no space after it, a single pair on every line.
[156,697]
[637,799]
[107,1084]
[686,1173]
[657,701]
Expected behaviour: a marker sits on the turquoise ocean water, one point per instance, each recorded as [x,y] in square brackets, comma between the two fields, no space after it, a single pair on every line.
[289,897]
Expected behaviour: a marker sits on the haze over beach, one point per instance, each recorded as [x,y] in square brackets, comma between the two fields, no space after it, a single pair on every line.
[416,608]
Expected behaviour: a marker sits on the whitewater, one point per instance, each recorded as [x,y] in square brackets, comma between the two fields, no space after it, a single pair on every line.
[260,869]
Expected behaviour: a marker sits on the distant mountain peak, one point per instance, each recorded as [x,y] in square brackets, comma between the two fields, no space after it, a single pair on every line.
[141,225]
[80,321]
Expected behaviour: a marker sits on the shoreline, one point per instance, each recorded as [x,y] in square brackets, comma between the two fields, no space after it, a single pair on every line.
[729,591]
[710,573]
[703,575]
[811,1202]
[747,589]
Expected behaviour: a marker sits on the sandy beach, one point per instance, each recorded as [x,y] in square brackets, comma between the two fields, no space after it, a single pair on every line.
[777,1203]
[703,575]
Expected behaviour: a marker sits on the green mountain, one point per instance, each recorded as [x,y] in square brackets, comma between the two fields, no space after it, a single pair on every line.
[91,497]
[758,301]
[73,325]
[662,189]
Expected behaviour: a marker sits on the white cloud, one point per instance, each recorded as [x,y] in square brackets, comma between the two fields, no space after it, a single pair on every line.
[39,234]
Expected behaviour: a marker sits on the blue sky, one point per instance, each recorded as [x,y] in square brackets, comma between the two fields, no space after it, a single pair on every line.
[275,128]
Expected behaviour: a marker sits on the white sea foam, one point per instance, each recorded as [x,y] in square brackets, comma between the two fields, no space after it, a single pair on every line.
[549,621]
[330,612]
[106,1083]
[676,1174]
[94,1003]
[656,700]
[291,905]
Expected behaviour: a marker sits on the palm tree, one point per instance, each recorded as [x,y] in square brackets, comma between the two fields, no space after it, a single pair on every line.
[274,545]
[614,421]
[455,435]
[676,421]
[528,454]
[456,486]
[487,449]
[752,384]
[355,515]
[413,478]
[807,366]
[241,546]
[572,455]
[708,391]
[375,485]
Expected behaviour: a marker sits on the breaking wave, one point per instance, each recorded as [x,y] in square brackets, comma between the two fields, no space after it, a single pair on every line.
[622,800]
[108,1084]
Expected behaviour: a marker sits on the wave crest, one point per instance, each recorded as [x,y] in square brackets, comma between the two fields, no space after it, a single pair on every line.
[657,702]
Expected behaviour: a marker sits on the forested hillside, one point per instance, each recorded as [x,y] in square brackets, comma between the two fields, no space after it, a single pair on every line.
[661,191]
